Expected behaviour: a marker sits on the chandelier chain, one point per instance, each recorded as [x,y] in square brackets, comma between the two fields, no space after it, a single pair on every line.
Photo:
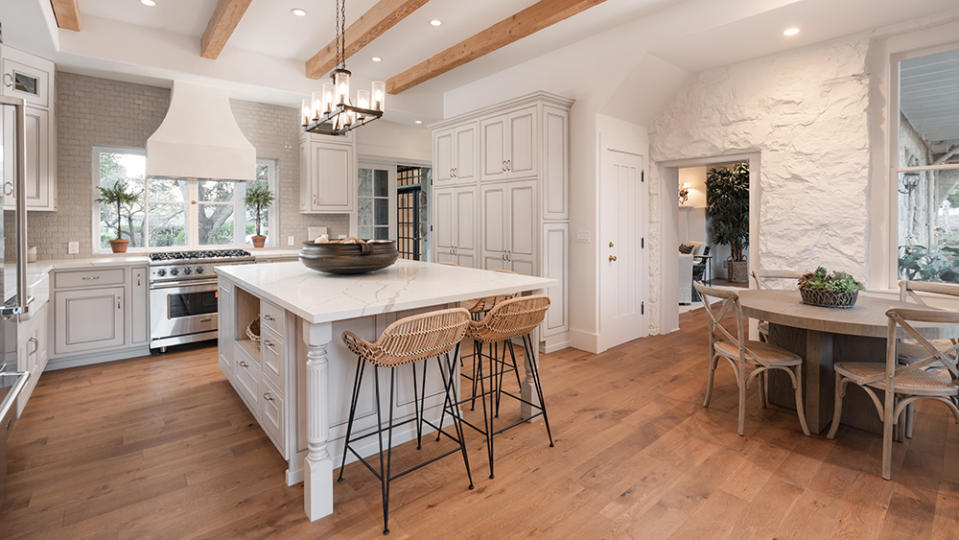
[341,29]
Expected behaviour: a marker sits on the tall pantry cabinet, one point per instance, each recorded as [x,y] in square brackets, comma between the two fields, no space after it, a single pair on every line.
[500,192]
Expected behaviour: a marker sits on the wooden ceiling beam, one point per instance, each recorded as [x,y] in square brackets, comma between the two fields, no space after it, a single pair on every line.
[384,15]
[67,13]
[528,21]
[221,26]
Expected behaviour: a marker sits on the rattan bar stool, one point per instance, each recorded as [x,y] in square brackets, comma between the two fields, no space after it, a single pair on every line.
[408,340]
[506,321]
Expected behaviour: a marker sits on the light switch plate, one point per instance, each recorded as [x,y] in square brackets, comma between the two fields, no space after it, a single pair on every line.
[289,240]
[73,248]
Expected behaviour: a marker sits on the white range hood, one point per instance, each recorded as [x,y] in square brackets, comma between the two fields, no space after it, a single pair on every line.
[199,138]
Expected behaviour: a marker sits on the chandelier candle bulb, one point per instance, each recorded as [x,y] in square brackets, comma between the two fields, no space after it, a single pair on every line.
[326,103]
[341,80]
[318,105]
[379,96]
[305,111]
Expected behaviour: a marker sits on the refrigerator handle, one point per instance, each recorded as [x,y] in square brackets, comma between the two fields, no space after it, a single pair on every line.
[21,206]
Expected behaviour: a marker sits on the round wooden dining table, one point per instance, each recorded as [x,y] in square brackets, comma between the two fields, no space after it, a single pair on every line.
[823,336]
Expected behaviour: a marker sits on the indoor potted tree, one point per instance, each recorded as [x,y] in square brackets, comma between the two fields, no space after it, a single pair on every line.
[117,194]
[727,204]
[258,198]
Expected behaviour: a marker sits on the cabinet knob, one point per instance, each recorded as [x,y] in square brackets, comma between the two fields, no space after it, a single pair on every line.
[268,396]
[269,318]
[118,303]
[612,258]
[509,164]
[244,364]
[610,244]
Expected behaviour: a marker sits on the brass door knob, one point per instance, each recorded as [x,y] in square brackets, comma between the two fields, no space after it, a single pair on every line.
[610,244]
[612,258]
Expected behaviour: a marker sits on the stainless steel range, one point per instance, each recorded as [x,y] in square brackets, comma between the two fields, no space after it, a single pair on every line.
[183,294]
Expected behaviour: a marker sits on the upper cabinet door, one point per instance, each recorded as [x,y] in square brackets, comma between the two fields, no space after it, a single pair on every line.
[38,159]
[28,77]
[555,175]
[522,155]
[464,168]
[443,157]
[333,174]
[493,139]
[465,219]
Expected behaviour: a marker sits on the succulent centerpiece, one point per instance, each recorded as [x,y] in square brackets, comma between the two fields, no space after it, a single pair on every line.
[835,290]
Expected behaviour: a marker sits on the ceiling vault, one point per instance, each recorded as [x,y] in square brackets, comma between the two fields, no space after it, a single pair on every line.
[222,23]
[371,25]
[528,21]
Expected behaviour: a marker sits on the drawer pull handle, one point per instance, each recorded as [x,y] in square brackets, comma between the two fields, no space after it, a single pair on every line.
[208,319]
[268,396]
[268,343]
[90,278]
[269,318]
[244,364]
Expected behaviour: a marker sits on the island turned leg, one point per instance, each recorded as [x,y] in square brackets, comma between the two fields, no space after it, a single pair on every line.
[529,385]
[318,466]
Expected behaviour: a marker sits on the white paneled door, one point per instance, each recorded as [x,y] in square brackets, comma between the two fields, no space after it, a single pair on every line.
[623,267]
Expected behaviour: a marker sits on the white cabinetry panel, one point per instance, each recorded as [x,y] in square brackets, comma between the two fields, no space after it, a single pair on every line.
[89,319]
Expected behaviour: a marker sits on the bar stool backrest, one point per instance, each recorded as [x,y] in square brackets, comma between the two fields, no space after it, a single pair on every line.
[413,338]
[511,318]
[486,303]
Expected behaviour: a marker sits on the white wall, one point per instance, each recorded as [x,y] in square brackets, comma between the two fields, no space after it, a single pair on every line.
[385,139]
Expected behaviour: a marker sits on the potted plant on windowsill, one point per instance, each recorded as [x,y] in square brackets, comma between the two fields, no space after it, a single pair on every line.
[258,198]
[118,195]
[837,290]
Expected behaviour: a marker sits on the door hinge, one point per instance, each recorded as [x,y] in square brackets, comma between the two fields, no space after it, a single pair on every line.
[642,176]
[642,308]
[642,243]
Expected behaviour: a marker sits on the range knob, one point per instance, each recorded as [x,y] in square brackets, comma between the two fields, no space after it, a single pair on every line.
[187,271]
[199,269]
[161,272]
[174,271]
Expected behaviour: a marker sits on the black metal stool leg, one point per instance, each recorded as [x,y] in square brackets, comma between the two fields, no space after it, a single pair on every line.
[357,381]
[477,357]
[454,412]
[501,365]
[486,419]
[389,456]
[416,411]
[512,356]
[379,437]
[531,360]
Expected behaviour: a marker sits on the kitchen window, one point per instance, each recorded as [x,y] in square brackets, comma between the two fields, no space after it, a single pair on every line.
[176,213]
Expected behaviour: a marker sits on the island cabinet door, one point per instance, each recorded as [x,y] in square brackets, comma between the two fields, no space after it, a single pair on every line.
[225,334]
[89,319]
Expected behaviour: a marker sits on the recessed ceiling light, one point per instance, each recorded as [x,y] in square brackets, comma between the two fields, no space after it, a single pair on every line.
[419,121]
[791,31]
[436,22]
[376,59]
[299,12]
[148,3]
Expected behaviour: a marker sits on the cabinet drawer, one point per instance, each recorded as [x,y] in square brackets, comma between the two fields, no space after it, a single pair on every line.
[271,316]
[272,356]
[271,415]
[246,377]
[88,278]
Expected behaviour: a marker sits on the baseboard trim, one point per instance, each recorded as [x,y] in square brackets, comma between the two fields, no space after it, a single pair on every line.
[88,359]
[555,343]
[584,341]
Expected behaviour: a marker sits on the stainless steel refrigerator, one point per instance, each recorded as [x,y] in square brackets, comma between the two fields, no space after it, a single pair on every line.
[13,280]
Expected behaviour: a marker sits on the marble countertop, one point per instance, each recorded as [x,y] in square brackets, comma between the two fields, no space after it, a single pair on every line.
[318,297]
[93,262]
[271,253]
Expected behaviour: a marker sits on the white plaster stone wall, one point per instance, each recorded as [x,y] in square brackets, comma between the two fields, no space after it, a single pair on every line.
[804,112]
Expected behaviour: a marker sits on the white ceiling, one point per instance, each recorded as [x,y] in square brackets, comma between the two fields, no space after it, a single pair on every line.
[929,96]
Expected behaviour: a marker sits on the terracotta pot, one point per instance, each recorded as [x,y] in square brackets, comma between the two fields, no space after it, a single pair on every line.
[738,271]
[259,241]
[119,245]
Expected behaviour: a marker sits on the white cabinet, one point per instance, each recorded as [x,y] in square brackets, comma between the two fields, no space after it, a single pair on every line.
[32,350]
[99,314]
[88,320]
[455,224]
[510,227]
[455,153]
[31,78]
[327,177]
[225,331]
[508,147]
[522,209]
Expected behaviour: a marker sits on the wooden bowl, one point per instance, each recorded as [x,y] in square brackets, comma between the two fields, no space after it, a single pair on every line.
[349,258]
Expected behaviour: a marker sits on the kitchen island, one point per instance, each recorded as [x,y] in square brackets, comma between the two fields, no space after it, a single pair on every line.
[297,380]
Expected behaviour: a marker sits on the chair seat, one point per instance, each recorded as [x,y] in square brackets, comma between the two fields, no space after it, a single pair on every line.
[910,352]
[767,354]
[920,383]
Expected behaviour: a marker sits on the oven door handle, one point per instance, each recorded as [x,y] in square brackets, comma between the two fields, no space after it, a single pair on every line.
[183,285]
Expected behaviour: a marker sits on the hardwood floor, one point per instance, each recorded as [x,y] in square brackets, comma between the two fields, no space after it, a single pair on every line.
[162,447]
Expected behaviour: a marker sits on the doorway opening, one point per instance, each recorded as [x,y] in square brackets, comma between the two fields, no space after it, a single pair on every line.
[393,204]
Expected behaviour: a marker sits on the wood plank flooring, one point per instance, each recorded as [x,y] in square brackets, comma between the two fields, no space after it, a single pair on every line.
[161,447]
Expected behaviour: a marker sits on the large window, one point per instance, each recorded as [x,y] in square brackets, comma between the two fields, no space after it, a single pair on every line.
[926,167]
[176,213]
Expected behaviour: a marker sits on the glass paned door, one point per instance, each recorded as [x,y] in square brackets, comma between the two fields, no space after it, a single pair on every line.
[376,193]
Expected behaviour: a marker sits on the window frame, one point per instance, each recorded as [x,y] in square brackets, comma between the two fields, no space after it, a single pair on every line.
[193,209]
[894,166]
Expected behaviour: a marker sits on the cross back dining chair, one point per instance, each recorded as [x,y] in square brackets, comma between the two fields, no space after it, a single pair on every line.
[772,280]
[749,359]
[902,385]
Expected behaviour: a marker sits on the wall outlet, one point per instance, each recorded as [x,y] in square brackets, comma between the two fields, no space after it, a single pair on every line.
[73,248]
[290,241]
